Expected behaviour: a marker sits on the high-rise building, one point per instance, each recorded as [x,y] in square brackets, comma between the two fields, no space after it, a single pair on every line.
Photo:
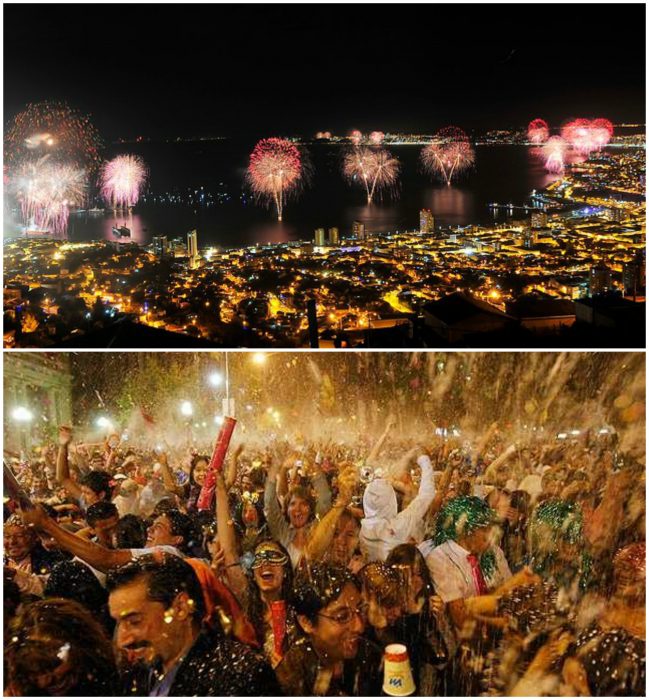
[160,246]
[192,248]
[539,219]
[358,230]
[426,221]
[599,279]
[334,236]
[319,238]
[634,275]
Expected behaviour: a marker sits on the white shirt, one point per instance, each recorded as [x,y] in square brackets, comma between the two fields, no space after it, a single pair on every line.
[137,553]
[452,573]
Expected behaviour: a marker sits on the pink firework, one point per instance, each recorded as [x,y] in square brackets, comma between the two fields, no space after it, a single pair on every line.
[376,138]
[538,131]
[122,181]
[375,169]
[579,134]
[554,150]
[46,191]
[449,155]
[356,137]
[602,132]
[275,170]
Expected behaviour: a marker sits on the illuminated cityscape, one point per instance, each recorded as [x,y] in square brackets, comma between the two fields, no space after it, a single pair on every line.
[573,259]
[377,217]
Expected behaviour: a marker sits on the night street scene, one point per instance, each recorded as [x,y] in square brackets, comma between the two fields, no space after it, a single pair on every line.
[325,176]
[323,524]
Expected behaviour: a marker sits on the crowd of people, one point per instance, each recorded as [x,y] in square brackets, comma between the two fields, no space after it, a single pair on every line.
[501,569]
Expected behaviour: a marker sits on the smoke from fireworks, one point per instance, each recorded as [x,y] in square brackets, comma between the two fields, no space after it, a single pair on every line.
[376,169]
[46,191]
[553,151]
[449,155]
[54,129]
[376,138]
[275,170]
[122,180]
[538,131]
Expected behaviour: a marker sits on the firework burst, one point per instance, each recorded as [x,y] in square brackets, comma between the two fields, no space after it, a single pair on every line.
[449,155]
[356,137]
[122,180]
[53,129]
[375,168]
[376,138]
[602,132]
[538,131]
[553,151]
[275,171]
[46,192]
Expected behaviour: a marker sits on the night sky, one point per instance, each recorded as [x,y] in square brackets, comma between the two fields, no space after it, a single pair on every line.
[295,69]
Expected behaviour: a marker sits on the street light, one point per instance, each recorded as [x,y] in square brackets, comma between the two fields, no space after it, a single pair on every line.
[186,409]
[215,379]
[103,422]
[259,358]
[22,415]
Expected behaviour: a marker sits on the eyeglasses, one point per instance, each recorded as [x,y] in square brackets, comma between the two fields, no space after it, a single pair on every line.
[346,615]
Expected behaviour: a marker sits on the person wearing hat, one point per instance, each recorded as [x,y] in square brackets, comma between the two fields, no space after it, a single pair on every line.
[383,528]
[463,559]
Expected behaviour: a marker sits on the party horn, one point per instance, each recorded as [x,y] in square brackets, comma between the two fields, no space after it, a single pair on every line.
[206,496]
[278,616]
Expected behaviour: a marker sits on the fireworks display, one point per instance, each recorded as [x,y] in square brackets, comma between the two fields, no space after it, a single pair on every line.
[375,168]
[538,131]
[553,152]
[275,170]
[376,138]
[450,154]
[356,137]
[586,136]
[122,180]
[54,129]
[46,191]
[323,135]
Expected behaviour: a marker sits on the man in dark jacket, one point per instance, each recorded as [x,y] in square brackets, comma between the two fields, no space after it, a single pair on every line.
[157,604]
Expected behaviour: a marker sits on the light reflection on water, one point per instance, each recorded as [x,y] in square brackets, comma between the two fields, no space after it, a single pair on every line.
[503,174]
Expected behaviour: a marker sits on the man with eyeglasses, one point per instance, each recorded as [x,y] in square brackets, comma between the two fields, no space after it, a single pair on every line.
[333,658]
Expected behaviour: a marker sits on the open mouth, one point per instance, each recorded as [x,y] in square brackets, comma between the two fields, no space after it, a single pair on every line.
[267,576]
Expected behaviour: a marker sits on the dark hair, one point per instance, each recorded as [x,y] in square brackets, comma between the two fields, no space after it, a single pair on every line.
[130,532]
[257,476]
[101,511]
[183,526]
[317,586]
[163,506]
[38,635]
[409,555]
[348,514]
[97,481]
[303,493]
[73,580]
[195,460]
[381,580]
[166,576]
[255,606]
[521,500]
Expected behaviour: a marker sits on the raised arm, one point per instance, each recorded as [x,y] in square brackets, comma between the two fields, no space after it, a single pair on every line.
[375,451]
[277,524]
[167,477]
[229,541]
[63,466]
[100,558]
[322,535]
[231,474]
[443,485]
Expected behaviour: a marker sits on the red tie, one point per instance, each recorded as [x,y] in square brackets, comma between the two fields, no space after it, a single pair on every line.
[478,577]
